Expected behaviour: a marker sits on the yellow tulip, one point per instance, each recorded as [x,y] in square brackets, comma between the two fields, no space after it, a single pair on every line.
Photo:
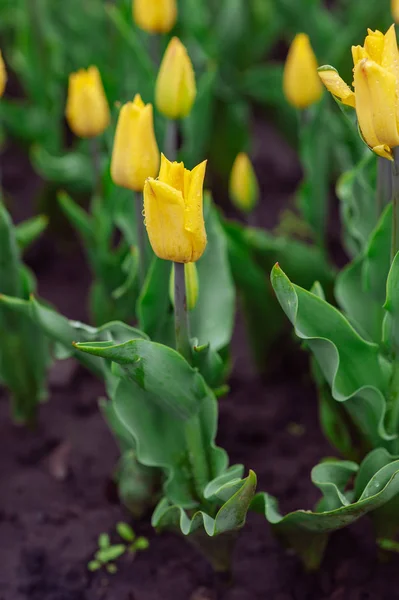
[376,90]
[395,10]
[87,109]
[155,16]
[301,84]
[173,212]
[244,187]
[175,89]
[135,154]
[3,75]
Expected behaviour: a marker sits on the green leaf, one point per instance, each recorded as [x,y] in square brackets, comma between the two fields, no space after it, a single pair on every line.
[356,192]
[351,365]
[306,531]
[236,494]
[391,322]
[170,412]
[27,232]
[104,541]
[72,169]
[125,531]
[78,218]
[315,150]
[112,553]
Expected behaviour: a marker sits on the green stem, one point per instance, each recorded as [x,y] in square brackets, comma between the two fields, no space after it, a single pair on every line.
[95,158]
[182,328]
[171,140]
[395,204]
[138,203]
[197,457]
[393,400]
[384,184]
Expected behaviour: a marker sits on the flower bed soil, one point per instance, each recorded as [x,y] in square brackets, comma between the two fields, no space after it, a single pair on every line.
[57,494]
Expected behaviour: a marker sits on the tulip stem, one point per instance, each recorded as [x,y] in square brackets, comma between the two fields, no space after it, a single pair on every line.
[384,184]
[395,204]
[138,203]
[197,458]
[95,158]
[171,140]
[182,328]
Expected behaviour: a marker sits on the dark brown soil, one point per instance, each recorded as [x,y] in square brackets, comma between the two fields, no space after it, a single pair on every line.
[49,526]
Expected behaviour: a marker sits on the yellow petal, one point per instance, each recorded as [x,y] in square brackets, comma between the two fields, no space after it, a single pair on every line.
[164,220]
[87,110]
[155,16]
[384,152]
[138,101]
[244,187]
[135,155]
[390,58]
[337,86]
[175,89]
[194,217]
[381,107]
[302,86]
[374,45]
[172,173]
[358,53]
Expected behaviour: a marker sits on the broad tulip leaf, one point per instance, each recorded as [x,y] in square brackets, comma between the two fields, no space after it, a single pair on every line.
[229,489]
[170,412]
[24,356]
[391,322]
[73,169]
[355,189]
[306,531]
[351,365]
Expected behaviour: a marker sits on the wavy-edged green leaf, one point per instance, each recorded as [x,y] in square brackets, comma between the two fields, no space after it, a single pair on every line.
[306,531]
[170,412]
[64,331]
[229,489]
[352,366]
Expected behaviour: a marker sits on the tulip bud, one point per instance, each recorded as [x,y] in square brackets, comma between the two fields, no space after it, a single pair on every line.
[192,285]
[135,154]
[302,86]
[173,212]
[244,187]
[87,109]
[395,10]
[175,89]
[3,75]
[155,16]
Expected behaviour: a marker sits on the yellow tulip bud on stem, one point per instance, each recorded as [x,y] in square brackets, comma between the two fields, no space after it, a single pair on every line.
[87,110]
[135,157]
[155,16]
[301,83]
[244,187]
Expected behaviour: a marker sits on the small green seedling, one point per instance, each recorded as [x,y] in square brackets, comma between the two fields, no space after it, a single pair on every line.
[134,543]
[107,552]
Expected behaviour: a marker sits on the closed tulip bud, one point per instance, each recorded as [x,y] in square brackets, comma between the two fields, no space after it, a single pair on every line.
[87,109]
[395,10]
[175,90]
[135,154]
[173,212]
[192,285]
[244,187]
[3,75]
[375,95]
[301,83]
[155,16]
